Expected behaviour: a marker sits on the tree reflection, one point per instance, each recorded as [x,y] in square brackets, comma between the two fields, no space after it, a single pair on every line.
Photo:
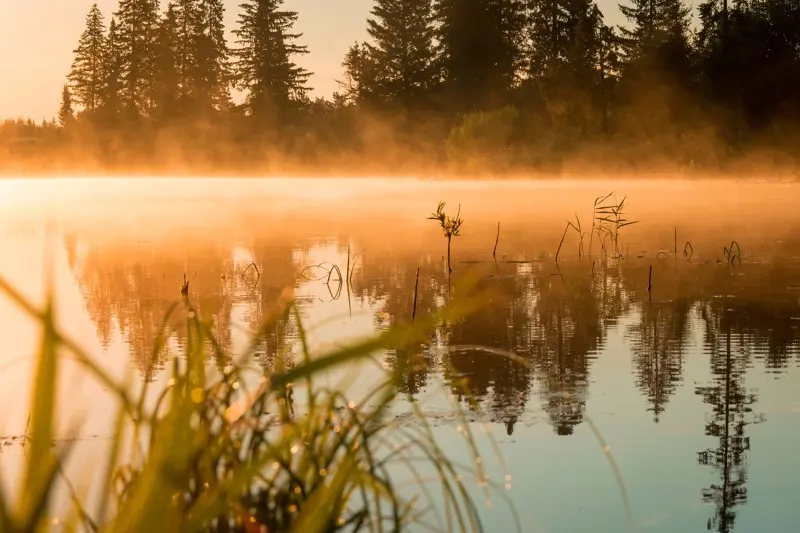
[134,287]
[731,413]
[658,341]
[556,318]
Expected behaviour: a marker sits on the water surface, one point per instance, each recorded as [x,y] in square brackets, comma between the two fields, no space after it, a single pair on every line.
[692,388]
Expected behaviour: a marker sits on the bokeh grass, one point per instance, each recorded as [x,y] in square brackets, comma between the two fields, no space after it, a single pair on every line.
[238,450]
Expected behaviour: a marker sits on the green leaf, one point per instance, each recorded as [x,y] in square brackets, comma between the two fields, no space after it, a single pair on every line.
[41,460]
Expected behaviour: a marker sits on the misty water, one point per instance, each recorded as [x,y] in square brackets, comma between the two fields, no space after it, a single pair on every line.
[671,410]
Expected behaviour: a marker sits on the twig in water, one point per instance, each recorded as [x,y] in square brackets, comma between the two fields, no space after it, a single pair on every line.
[650,281]
[416,287]
[330,273]
[688,250]
[675,242]
[562,240]
[258,273]
[497,240]
[347,273]
[731,256]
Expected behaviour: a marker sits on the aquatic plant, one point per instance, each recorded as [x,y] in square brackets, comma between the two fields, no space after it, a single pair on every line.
[496,242]
[577,227]
[688,250]
[729,255]
[451,227]
[235,450]
[608,218]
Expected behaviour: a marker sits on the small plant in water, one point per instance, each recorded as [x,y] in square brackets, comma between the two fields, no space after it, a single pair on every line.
[730,255]
[577,227]
[450,226]
[608,220]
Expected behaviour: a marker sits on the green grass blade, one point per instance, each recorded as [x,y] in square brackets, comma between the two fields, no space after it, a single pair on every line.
[41,459]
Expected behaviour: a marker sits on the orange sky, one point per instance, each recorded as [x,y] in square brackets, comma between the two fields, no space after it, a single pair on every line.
[37,38]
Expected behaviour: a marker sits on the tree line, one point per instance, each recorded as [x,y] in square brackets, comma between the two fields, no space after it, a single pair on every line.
[474,84]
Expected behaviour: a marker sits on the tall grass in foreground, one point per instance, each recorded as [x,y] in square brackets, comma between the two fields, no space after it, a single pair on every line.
[231,451]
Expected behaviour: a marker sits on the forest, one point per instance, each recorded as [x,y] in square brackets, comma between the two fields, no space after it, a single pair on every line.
[440,87]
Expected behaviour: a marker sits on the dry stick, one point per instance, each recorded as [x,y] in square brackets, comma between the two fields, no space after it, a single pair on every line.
[449,264]
[251,265]
[347,283]
[650,282]
[562,241]
[416,286]
[497,239]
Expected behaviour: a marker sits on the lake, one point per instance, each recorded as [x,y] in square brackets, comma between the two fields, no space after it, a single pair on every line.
[673,409]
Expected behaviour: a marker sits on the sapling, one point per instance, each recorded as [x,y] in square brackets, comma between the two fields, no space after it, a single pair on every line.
[451,227]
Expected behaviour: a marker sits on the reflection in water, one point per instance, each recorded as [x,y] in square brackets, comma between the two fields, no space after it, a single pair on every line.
[658,341]
[557,318]
[728,344]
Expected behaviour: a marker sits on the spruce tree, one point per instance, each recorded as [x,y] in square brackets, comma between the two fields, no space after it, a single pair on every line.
[110,96]
[201,55]
[402,49]
[66,114]
[569,62]
[138,35]
[166,89]
[264,67]
[481,49]
[659,34]
[213,57]
[360,75]
[547,30]
[187,27]
[86,74]
[565,37]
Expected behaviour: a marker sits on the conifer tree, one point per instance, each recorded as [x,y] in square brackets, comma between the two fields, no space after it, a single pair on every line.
[480,47]
[110,96]
[166,90]
[659,33]
[86,74]
[569,61]
[264,67]
[360,75]
[547,26]
[187,25]
[213,56]
[138,35]
[201,54]
[66,114]
[402,49]
[565,37]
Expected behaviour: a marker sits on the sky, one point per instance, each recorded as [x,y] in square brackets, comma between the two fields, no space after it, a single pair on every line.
[37,38]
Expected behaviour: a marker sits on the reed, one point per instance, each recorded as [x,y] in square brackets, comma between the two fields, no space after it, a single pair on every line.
[416,291]
[496,241]
[577,228]
[608,219]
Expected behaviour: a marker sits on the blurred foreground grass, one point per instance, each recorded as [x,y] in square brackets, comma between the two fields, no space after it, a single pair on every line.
[228,451]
